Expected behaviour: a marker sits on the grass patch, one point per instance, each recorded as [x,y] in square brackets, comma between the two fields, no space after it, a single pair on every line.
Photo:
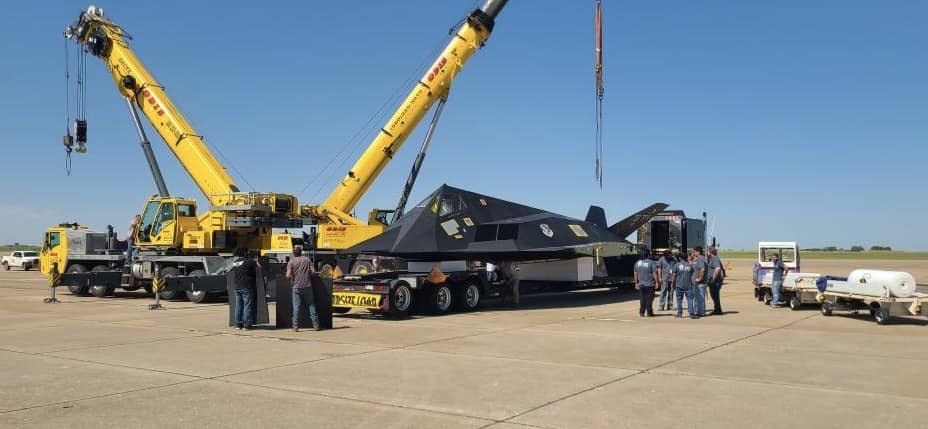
[12,248]
[876,255]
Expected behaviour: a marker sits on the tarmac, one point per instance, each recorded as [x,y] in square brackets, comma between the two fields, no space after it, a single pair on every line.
[570,360]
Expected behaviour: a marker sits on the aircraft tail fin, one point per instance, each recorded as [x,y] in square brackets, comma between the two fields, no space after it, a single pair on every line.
[597,216]
[625,227]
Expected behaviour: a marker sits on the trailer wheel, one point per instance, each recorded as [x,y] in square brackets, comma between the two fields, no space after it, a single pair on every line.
[77,290]
[401,299]
[827,307]
[468,297]
[441,299]
[881,315]
[170,295]
[196,296]
[795,303]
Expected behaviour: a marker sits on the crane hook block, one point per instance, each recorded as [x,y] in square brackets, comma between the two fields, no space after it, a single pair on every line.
[80,135]
[68,141]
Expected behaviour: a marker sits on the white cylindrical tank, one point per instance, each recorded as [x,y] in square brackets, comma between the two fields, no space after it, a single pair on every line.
[876,283]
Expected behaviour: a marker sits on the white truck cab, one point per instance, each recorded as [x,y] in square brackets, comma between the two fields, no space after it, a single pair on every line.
[788,251]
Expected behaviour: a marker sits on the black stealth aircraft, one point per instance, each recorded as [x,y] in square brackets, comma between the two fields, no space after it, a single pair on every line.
[456,224]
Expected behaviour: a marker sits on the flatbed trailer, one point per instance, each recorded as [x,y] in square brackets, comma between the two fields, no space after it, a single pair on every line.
[881,308]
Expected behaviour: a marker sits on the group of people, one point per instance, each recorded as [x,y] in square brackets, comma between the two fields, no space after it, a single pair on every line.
[677,276]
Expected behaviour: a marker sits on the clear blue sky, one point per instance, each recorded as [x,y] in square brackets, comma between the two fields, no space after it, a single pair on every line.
[788,120]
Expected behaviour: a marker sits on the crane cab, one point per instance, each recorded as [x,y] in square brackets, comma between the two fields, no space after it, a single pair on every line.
[164,222]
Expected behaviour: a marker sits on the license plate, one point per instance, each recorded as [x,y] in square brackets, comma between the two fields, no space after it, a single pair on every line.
[355,300]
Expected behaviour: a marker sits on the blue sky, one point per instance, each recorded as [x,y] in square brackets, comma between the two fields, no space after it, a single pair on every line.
[788,120]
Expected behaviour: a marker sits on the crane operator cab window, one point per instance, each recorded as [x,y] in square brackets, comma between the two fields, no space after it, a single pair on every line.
[157,218]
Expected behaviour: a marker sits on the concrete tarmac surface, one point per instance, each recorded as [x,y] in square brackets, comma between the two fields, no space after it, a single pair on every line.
[570,360]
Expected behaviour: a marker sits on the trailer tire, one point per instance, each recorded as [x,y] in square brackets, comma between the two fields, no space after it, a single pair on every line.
[827,308]
[100,291]
[401,300]
[440,299]
[198,296]
[468,296]
[77,290]
[881,315]
[170,295]
[795,303]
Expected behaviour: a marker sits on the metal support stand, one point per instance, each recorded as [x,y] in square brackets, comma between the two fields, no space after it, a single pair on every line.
[54,279]
[157,284]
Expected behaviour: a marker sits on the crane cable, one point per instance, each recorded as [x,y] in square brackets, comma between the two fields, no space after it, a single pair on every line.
[68,140]
[600,91]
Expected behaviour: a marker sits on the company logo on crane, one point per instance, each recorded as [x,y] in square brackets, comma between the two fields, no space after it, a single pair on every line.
[154,102]
[437,68]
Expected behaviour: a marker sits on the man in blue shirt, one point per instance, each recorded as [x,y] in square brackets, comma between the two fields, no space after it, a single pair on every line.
[700,276]
[645,280]
[665,267]
[682,281]
[779,272]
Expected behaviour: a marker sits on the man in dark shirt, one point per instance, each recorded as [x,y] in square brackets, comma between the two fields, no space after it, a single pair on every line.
[700,276]
[299,272]
[245,273]
[665,267]
[716,274]
[683,283]
[779,272]
[645,280]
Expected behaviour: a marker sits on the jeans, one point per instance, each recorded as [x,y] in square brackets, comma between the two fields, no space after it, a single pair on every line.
[646,296]
[303,300]
[680,293]
[775,289]
[666,302]
[700,299]
[244,307]
[715,291]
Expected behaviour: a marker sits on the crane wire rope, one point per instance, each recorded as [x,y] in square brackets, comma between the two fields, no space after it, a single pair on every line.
[353,145]
[600,92]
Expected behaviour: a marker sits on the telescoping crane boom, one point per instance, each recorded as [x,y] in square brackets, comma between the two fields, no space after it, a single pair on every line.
[338,229]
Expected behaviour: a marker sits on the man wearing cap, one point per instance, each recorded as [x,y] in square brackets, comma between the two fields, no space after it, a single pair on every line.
[645,280]
[665,268]
[716,274]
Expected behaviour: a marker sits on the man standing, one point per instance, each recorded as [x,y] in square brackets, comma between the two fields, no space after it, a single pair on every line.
[665,267]
[245,274]
[511,270]
[682,281]
[701,274]
[299,272]
[645,280]
[130,237]
[779,272]
[716,275]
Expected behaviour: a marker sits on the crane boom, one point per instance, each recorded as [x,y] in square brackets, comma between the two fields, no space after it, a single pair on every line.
[433,86]
[108,41]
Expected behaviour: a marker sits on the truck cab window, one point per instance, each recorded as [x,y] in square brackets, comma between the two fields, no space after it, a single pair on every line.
[186,210]
[53,240]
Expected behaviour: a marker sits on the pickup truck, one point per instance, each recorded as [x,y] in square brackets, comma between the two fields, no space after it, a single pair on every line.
[23,259]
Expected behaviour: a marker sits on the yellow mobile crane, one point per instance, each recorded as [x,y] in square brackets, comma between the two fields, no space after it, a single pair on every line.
[337,229]
[173,239]
[178,242]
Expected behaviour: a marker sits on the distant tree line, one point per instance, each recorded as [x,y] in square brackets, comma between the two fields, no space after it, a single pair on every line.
[852,249]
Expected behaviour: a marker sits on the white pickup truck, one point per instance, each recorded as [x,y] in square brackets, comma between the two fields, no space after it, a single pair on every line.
[26,260]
